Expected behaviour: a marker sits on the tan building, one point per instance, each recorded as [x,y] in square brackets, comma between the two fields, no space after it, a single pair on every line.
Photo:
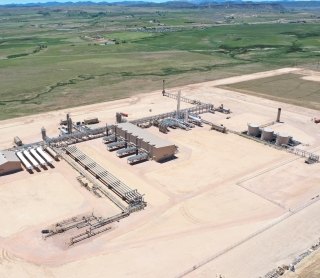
[9,163]
[159,149]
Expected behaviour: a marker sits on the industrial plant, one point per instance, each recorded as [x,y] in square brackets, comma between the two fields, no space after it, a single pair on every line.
[153,168]
[128,138]
[132,140]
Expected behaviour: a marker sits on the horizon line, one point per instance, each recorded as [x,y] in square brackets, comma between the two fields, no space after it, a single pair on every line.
[39,2]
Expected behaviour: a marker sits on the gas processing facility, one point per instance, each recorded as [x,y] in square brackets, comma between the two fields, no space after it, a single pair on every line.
[130,140]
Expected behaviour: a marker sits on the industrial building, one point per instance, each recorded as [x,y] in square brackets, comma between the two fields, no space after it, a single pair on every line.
[9,163]
[157,148]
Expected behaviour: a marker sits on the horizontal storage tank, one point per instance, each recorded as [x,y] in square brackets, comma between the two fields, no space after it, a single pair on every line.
[282,139]
[31,159]
[38,157]
[51,152]
[17,141]
[44,155]
[24,160]
[196,119]
[90,121]
[253,129]
[267,134]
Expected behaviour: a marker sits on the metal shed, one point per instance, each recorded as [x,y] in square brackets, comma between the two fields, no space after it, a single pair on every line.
[9,163]
[159,149]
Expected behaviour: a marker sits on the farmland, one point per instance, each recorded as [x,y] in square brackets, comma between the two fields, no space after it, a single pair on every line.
[58,57]
[290,88]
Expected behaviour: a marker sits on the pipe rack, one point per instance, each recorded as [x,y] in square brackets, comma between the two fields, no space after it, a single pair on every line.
[132,197]
[199,109]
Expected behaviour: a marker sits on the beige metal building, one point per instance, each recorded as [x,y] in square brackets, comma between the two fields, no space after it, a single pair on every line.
[9,163]
[159,149]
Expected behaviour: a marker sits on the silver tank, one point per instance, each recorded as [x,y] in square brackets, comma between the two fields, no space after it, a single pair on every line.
[282,139]
[267,134]
[253,129]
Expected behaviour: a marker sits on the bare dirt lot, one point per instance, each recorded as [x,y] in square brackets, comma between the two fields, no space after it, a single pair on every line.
[308,268]
[226,205]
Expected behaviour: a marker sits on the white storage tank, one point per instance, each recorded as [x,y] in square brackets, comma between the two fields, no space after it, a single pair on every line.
[282,139]
[51,152]
[30,158]
[44,155]
[267,134]
[24,161]
[38,157]
[253,129]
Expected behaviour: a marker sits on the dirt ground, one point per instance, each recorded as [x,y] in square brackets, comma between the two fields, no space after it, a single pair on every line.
[227,205]
[308,269]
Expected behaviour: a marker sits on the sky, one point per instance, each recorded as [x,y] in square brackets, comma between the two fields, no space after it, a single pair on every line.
[4,2]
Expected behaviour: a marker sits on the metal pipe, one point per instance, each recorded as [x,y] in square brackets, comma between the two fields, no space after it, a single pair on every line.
[178,104]
[137,150]
[279,114]
[196,119]
[163,87]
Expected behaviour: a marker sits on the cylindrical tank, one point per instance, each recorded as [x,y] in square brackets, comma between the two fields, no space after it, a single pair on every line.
[69,123]
[118,118]
[17,141]
[282,139]
[44,155]
[51,152]
[30,158]
[253,129]
[90,121]
[24,161]
[267,134]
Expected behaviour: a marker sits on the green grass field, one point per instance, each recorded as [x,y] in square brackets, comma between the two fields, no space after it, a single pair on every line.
[53,58]
[289,88]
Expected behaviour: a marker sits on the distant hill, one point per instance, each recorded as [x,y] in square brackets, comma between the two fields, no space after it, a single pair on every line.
[184,4]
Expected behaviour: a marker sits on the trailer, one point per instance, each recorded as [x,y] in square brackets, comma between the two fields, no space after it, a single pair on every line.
[24,161]
[38,157]
[44,155]
[31,159]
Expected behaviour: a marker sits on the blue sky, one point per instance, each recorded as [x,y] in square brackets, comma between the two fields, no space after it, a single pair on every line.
[4,2]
